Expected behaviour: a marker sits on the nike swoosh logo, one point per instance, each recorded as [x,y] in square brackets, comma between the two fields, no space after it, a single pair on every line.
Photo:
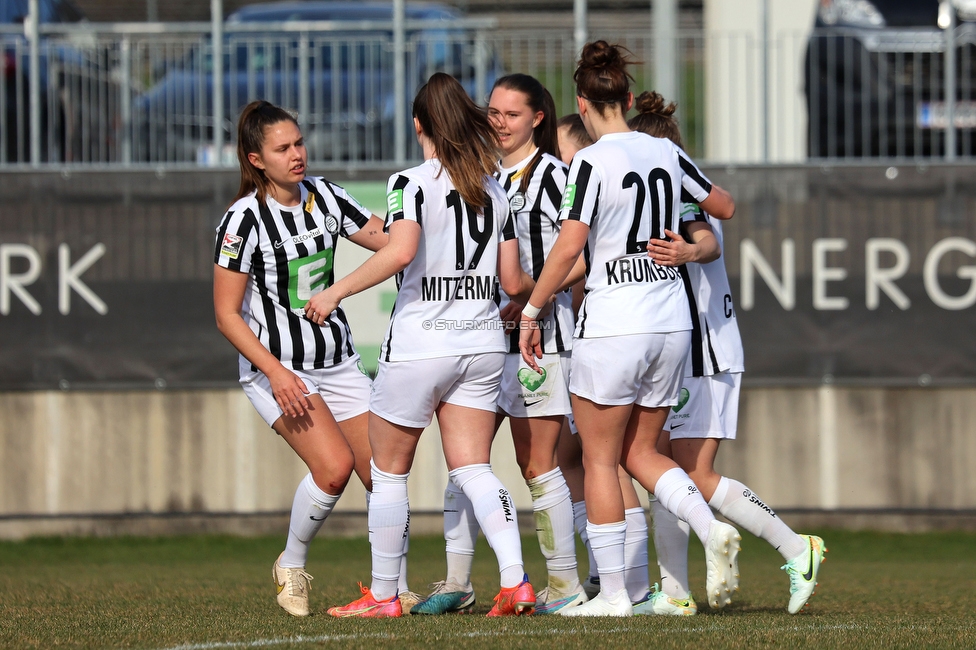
[278,587]
[316,518]
[528,404]
[676,426]
[808,576]
[279,244]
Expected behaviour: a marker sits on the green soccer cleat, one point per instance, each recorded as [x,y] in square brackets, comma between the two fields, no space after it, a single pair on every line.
[658,603]
[803,571]
[447,596]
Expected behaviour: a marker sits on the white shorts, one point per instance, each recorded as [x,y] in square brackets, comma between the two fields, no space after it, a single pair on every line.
[406,393]
[641,369]
[527,394]
[708,407]
[343,387]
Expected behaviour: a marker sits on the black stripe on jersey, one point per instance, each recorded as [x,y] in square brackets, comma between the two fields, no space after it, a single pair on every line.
[508,228]
[341,315]
[346,208]
[697,357]
[690,170]
[281,270]
[320,240]
[582,320]
[560,347]
[711,348]
[582,180]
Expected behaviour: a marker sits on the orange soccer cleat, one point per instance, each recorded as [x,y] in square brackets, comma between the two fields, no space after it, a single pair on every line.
[369,607]
[515,601]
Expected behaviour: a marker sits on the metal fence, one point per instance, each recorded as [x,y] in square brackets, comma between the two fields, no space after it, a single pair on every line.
[144,94]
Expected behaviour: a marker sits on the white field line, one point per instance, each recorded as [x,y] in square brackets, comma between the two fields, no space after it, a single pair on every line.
[324,638]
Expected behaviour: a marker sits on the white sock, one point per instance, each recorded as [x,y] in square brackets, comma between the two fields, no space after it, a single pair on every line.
[579,520]
[460,534]
[635,554]
[553,509]
[743,507]
[389,528]
[678,493]
[671,537]
[402,582]
[607,541]
[496,515]
[309,509]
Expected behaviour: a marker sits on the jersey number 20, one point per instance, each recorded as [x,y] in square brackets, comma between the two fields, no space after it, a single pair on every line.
[655,177]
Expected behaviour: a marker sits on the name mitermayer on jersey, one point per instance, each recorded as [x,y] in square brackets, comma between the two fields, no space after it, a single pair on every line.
[715,342]
[627,188]
[445,302]
[289,252]
[534,211]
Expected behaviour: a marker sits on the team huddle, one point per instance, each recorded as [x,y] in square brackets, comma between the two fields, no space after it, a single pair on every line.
[565,274]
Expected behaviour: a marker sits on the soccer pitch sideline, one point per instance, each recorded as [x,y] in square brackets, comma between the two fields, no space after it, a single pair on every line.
[877,590]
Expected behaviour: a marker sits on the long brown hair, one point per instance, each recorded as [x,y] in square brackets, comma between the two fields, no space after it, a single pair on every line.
[255,118]
[601,75]
[655,117]
[463,138]
[538,99]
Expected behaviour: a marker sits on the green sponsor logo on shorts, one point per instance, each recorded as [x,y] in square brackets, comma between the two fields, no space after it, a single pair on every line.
[531,379]
[394,201]
[682,399]
[307,276]
[569,197]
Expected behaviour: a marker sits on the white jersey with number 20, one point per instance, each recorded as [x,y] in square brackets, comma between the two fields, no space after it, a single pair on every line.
[627,188]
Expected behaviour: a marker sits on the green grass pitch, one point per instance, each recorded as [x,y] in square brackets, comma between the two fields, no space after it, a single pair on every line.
[200,593]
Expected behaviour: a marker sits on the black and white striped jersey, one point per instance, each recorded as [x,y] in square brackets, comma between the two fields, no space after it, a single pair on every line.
[715,342]
[446,300]
[627,188]
[535,211]
[289,254]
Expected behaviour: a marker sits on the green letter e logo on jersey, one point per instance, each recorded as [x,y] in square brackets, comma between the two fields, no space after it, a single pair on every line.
[569,197]
[394,201]
[307,276]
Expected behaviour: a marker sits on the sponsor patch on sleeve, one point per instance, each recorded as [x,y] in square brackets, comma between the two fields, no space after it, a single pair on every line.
[394,201]
[569,197]
[231,246]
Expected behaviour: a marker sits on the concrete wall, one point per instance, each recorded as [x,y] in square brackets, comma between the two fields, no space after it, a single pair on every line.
[166,454]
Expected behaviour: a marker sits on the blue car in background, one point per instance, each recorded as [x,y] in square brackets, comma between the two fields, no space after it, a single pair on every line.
[341,82]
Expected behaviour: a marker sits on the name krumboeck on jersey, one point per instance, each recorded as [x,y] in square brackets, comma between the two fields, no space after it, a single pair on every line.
[638,269]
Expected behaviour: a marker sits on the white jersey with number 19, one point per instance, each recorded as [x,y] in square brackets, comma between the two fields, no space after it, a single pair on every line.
[627,188]
[446,301]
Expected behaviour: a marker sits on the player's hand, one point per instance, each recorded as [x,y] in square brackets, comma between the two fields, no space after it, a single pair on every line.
[530,341]
[671,253]
[290,392]
[510,315]
[320,306]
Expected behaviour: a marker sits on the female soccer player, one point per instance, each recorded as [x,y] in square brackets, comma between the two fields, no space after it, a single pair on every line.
[633,329]
[709,406]
[444,352]
[524,117]
[274,251]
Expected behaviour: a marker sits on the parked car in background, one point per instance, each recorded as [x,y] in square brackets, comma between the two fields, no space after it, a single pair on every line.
[876,81]
[341,81]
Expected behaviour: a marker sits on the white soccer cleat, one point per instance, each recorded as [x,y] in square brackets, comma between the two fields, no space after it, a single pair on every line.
[616,605]
[408,599]
[803,571]
[721,563]
[292,586]
[658,603]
